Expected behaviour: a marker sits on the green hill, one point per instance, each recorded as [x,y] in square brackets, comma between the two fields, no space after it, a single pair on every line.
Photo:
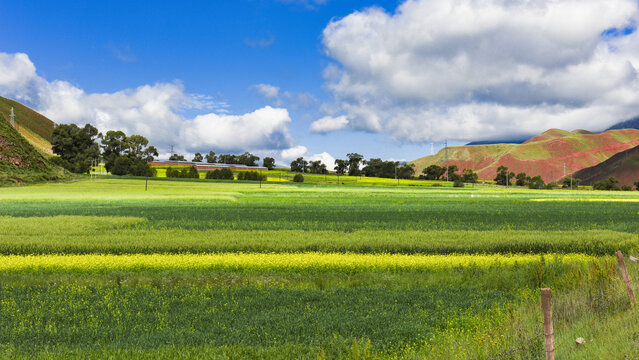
[21,163]
[35,127]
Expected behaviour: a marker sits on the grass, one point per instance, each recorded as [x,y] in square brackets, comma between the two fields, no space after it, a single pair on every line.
[216,269]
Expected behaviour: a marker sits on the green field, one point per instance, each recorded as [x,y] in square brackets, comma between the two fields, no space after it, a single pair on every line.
[229,269]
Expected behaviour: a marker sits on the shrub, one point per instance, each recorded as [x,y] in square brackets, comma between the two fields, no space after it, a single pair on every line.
[458,183]
[626,188]
[221,174]
[536,182]
[251,175]
[298,178]
[607,184]
[552,185]
[190,173]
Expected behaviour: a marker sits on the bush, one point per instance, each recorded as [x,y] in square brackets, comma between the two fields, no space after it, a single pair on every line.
[536,183]
[141,168]
[607,184]
[220,174]
[190,173]
[626,188]
[458,183]
[251,175]
[298,178]
[552,185]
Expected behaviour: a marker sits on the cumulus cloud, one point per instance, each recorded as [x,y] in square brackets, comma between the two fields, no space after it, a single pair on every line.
[471,69]
[268,91]
[295,152]
[329,123]
[265,128]
[150,110]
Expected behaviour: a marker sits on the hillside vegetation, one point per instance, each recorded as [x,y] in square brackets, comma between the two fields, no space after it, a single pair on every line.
[35,127]
[20,162]
[624,166]
[544,155]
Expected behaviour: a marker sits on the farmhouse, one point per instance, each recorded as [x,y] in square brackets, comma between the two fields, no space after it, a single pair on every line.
[202,166]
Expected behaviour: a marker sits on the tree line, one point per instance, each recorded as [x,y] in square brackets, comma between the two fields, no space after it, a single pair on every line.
[352,166]
[247,159]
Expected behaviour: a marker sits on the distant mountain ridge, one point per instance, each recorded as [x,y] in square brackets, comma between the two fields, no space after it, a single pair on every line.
[35,127]
[544,155]
[624,166]
[628,124]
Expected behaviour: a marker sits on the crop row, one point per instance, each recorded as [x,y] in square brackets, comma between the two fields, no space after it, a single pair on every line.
[298,262]
[122,235]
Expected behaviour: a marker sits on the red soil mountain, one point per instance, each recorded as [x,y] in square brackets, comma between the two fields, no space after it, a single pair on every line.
[545,154]
[624,166]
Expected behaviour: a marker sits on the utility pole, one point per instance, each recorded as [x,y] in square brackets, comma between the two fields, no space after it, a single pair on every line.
[564,170]
[171,150]
[12,117]
[396,175]
[446,156]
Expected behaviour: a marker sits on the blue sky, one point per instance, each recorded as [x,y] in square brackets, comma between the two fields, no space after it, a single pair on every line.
[399,78]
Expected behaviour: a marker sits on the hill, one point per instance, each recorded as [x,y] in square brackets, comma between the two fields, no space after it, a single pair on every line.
[35,127]
[20,162]
[544,154]
[628,124]
[624,166]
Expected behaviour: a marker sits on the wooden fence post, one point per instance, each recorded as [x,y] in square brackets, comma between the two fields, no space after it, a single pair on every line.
[626,277]
[549,333]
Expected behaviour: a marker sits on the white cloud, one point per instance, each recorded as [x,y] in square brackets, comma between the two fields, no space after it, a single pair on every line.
[265,128]
[301,100]
[477,69]
[293,153]
[268,91]
[149,110]
[329,123]
[326,158]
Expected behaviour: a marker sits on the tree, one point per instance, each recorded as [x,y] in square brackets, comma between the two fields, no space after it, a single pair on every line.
[299,165]
[608,184]
[503,176]
[568,181]
[536,182]
[211,158]
[469,176]
[176,157]
[197,157]
[298,178]
[76,146]
[377,167]
[113,146]
[136,147]
[121,165]
[433,172]
[637,185]
[406,171]
[340,166]
[222,174]
[522,179]
[317,167]
[451,170]
[248,159]
[227,159]
[268,163]
[354,160]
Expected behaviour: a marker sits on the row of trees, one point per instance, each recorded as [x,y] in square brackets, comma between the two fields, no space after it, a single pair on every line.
[76,146]
[436,172]
[373,167]
[247,159]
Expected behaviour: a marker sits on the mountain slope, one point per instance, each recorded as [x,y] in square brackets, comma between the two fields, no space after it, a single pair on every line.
[20,162]
[35,127]
[624,166]
[628,124]
[544,154]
